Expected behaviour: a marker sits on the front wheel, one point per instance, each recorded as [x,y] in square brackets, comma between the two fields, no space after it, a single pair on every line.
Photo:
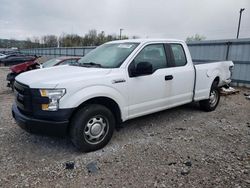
[92,127]
[213,101]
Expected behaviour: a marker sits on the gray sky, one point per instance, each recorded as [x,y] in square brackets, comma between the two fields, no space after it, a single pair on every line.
[215,19]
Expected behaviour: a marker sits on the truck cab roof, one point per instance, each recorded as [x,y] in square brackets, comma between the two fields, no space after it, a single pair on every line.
[146,40]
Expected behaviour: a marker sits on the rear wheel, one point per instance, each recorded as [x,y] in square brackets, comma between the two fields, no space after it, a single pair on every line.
[92,127]
[213,101]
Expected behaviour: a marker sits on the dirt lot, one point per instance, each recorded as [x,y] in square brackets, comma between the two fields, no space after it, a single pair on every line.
[181,147]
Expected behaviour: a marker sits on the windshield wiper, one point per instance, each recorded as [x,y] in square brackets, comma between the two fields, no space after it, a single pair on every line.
[74,64]
[90,64]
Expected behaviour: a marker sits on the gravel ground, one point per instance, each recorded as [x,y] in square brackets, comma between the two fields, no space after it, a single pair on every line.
[180,147]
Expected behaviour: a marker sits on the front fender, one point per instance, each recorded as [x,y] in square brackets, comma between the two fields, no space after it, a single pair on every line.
[76,99]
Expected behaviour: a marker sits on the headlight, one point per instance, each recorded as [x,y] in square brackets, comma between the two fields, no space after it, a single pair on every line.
[54,96]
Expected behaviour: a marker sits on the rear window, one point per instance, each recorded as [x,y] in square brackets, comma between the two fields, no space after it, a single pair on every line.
[179,55]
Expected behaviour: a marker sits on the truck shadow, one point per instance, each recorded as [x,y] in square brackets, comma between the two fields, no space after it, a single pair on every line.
[168,115]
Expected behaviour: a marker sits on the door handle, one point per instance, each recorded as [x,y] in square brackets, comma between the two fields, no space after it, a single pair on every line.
[169,77]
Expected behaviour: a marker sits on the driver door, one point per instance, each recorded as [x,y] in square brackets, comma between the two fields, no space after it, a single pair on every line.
[148,93]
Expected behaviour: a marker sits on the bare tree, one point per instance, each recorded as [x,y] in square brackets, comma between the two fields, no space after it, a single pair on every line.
[49,40]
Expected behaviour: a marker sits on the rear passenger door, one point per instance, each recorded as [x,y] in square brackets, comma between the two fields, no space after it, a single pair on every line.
[182,83]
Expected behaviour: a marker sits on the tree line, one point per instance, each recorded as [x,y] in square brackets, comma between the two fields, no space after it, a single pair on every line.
[92,38]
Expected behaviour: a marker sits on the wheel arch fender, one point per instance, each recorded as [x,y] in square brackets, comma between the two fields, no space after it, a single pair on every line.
[85,95]
[214,75]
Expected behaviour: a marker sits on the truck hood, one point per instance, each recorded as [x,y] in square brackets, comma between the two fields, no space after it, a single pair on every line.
[51,77]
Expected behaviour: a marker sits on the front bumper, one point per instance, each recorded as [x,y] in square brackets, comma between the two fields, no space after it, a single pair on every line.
[40,126]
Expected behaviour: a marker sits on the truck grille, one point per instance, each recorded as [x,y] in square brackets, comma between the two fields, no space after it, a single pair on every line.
[23,97]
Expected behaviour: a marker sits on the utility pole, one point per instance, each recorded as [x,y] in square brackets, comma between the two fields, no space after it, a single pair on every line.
[238,32]
[121,33]
[58,42]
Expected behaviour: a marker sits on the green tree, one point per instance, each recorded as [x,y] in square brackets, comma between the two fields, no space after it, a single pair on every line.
[196,37]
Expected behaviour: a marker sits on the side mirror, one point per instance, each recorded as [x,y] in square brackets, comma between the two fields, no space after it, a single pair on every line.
[142,68]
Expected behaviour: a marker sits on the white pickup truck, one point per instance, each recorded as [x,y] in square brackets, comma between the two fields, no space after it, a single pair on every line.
[117,81]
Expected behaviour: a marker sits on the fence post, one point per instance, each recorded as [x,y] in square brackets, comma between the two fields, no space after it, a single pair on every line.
[228,48]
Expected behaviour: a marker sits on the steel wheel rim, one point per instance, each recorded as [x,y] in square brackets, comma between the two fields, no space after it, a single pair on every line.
[96,129]
[213,98]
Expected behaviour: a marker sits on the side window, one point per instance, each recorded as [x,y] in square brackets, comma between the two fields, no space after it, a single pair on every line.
[179,55]
[154,54]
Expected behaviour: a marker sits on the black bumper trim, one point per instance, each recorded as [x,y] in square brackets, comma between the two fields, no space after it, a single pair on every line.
[39,126]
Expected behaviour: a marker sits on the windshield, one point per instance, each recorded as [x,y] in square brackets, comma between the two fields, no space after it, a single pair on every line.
[109,55]
[50,63]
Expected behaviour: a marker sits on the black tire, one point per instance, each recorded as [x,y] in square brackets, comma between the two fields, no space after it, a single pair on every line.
[85,126]
[210,104]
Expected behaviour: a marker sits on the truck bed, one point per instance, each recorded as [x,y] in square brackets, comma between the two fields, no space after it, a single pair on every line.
[206,73]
